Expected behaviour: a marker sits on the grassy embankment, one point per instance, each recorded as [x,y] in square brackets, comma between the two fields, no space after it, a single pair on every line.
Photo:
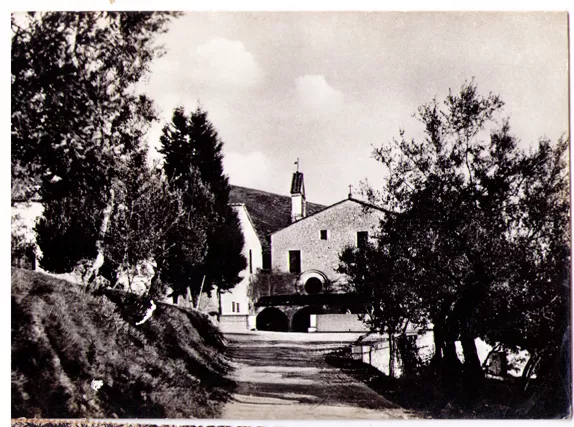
[64,339]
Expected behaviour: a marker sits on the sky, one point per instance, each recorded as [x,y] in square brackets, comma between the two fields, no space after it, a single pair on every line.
[327,87]
[366,74]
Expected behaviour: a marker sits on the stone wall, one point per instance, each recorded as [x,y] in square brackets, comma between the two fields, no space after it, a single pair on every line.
[342,221]
[376,353]
[234,323]
[340,323]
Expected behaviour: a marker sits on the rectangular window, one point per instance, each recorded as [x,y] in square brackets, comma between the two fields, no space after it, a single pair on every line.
[323,234]
[250,262]
[295,262]
[233,307]
[362,238]
[266,259]
[237,306]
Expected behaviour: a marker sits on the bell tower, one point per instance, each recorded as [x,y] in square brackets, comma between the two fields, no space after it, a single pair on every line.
[298,203]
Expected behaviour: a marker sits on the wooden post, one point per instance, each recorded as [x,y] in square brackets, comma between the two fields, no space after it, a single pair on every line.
[200,292]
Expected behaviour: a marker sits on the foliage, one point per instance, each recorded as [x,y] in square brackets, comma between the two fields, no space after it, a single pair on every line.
[394,302]
[192,156]
[479,229]
[184,245]
[267,283]
[149,225]
[535,298]
[72,81]
[131,235]
[75,117]
[21,247]
[101,200]
[371,275]
[67,230]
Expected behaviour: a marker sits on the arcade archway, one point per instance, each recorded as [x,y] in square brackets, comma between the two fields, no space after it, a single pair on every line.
[302,319]
[272,319]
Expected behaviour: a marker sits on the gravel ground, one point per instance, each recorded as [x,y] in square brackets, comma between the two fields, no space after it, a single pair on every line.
[284,376]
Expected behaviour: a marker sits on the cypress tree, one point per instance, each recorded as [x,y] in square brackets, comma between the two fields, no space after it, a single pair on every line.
[192,144]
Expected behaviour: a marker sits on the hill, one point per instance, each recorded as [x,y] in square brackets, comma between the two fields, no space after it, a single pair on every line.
[77,355]
[270,212]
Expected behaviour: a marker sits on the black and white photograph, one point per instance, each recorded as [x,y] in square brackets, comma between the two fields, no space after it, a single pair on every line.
[289,215]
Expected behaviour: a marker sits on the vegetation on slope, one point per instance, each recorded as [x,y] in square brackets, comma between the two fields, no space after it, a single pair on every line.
[65,341]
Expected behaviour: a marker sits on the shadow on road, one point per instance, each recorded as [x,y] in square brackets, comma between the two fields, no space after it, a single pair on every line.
[282,377]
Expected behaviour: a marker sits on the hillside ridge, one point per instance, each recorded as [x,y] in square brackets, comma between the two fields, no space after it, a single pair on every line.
[269,212]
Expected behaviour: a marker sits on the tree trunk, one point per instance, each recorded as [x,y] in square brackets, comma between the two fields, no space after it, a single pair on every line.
[197,300]
[391,355]
[188,298]
[471,361]
[473,376]
[450,357]
[464,312]
[553,396]
[408,351]
[494,350]
[219,309]
[438,344]
[531,367]
[446,363]
[93,271]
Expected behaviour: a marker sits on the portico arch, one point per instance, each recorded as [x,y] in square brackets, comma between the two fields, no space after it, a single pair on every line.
[302,319]
[272,319]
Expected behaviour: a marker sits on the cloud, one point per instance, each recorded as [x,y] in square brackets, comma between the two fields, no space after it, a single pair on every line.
[317,97]
[248,170]
[219,70]
[223,62]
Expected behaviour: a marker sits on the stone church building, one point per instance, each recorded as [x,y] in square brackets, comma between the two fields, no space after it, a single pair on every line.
[297,244]
[292,250]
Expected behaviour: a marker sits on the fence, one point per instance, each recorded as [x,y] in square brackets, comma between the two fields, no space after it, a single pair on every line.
[376,352]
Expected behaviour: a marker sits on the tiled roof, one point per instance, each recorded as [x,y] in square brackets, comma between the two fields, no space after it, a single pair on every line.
[269,212]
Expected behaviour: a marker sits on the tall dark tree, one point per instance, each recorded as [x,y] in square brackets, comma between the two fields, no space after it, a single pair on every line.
[480,226]
[224,259]
[68,228]
[190,144]
[75,116]
[178,234]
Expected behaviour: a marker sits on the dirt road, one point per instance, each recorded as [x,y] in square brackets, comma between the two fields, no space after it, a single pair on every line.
[285,376]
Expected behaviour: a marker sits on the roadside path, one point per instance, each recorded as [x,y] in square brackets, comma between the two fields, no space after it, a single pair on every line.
[284,376]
